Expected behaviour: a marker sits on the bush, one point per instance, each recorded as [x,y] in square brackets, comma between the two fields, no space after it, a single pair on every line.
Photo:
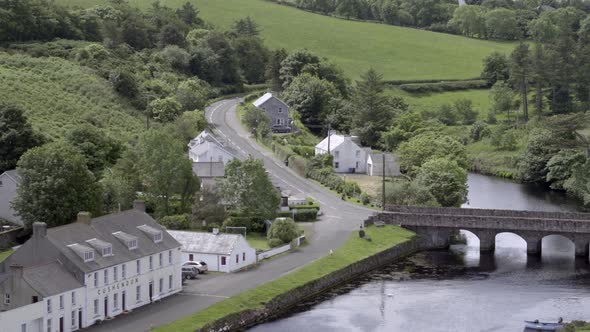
[273,243]
[283,229]
[503,138]
[304,150]
[176,222]
[365,199]
[479,130]
[252,223]
[306,215]
[443,86]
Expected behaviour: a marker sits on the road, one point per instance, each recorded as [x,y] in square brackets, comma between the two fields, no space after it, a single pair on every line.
[339,219]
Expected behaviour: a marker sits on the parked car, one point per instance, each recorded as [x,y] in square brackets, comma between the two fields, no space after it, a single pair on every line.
[190,272]
[200,265]
[280,129]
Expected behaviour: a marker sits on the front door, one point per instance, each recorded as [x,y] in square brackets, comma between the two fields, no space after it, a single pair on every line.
[123,300]
[80,318]
[151,288]
[61,324]
[106,307]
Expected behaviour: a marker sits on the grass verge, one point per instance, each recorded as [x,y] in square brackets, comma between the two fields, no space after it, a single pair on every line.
[353,250]
[5,254]
[257,241]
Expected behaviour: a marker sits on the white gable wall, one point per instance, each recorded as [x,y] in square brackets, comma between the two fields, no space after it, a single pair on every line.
[214,260]
[209,152]
[349,155]
[7,194]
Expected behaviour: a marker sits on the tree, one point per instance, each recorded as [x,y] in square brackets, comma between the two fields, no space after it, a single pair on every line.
[469,20]
[465,111]
[55,185]
[501,97]
[373,112]
[404,192]
[495,68]
[447,115]
[283,229]
[124,82]
[16,136]
[294,64]
[189,14]
[176,57]
[445,179]
[171,34]
[501,24]
[188,125]
[419,149]
[540,147]
[562,165]
[248,190]
[207,208]
[193,94]
[165,171]
[99,149]
[245,27]
[257,121]
[405,127]
[520,74]
[310,96]
[118,192]
[165,110]
[273,68]
[252,57]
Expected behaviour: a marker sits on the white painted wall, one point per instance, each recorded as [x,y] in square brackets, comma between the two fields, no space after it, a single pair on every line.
[349,155]
[209,152]
[7,194]
[241,249]
[13,319]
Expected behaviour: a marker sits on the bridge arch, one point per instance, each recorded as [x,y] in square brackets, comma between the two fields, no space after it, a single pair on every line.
[508,239]
[470,236]
[559,243]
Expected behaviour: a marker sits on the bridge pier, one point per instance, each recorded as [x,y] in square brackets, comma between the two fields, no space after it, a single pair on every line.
[533,247]
[487,241]
[582,249]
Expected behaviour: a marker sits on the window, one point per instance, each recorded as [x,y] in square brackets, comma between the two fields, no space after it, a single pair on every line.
[161,285]
[223,260]
[48,306]
[336,154]
[191,257]
[132,244]
[158,237]
[151,262]
[115,300]
[23,327]
[169,256]
[138,293]
[358,153]
[61,302]
[34,299]
[279,121]
[96,307]
[170,282]
[161,259]
[124,271]
[106,276]
[73,319]
[73,298]
[95,279]
[108,251]
[138,266]
[243,256]
[280,110]
[336,165]
[237,258]
[49,325]
[6,298]
[88,256]
[115,273]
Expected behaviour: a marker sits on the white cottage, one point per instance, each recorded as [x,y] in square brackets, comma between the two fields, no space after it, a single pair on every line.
[375,164]
[221,252]
[207,148]
[349,156]
[9,181]
[70,277]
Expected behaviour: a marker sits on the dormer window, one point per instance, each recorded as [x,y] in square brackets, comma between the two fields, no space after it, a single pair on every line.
[86,253]
[152,232]
[129,240]
[103,247]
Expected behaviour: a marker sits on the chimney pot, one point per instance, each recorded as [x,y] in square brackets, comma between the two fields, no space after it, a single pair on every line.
[84,217]
[39,230]
[139,205]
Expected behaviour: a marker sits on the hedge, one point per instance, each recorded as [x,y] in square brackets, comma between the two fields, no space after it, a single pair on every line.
[444,86]
[177,222]
[300,215]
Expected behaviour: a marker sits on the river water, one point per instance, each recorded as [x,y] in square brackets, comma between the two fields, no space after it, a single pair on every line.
[459,289]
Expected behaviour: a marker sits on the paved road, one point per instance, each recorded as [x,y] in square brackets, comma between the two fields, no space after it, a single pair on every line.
[329,233]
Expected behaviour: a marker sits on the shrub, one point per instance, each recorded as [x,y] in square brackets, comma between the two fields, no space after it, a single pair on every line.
[365,199]
[283,229]
[177,222]
[252,223]
[304,150]
[479,130]
[306,215]
[273,243]
[443,86]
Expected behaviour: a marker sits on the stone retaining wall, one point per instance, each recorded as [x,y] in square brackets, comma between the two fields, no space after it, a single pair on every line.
[281,303]
[8,238]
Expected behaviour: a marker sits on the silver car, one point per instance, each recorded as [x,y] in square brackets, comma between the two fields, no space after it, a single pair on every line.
[200,265]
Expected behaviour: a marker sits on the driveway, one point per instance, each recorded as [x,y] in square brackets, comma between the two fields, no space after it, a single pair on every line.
[334,227]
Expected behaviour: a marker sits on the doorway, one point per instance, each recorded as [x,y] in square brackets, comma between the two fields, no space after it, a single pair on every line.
[61,324]
[106,307]
[151,290]
[80,319]
[123,301]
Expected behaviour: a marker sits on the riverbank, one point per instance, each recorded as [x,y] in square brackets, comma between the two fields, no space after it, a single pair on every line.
[355,257]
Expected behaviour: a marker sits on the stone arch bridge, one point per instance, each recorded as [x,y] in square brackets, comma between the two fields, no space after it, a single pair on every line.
[436,225]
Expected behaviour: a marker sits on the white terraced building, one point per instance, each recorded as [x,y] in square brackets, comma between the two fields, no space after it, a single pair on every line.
[69,277]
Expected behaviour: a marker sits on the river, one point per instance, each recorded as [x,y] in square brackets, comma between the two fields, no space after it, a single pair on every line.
[459,289]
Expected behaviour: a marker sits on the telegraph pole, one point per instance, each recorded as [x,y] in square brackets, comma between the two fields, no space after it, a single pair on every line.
[329,130]
[383,182]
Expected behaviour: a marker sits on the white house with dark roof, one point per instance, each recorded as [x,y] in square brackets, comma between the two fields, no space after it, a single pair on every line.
[208,148]
[9,182]
[349,155]
[221,252]
[69,277]
[277,111]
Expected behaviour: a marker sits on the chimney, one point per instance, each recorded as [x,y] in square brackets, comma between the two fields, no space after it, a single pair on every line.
[139,205]
[39,230]
[84,217]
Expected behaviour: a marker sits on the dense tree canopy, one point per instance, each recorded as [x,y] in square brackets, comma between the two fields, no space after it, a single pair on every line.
[16,136]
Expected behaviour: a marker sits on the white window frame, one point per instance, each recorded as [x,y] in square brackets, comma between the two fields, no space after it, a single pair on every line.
[161,259]
[49,306]
[61,302]
[170,282]
[116,301]
[169,256]
[74,298]
[158,237]
[6,298]
[23,327]
[115,273]
[106,276]
[151,259]
[96,306]
[124,271]
[49,327]
[161,285]
[73,319]
[88,256]
[107,251]
[132,244]
[95,279]
[138,293]
[138,266]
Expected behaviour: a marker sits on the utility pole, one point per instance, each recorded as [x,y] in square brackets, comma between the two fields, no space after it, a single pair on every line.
[329,134]
[383,183]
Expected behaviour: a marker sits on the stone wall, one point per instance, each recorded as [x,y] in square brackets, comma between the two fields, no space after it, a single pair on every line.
[283,302]
[8,238]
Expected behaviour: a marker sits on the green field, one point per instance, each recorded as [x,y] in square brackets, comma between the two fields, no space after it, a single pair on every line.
[58,94]
[350,252]
[399,53]
[431,101]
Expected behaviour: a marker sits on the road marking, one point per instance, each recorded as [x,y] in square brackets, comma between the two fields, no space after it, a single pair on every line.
[334,217]
[205,295]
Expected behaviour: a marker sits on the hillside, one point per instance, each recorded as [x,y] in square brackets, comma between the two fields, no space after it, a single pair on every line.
[58,94]
[399,53]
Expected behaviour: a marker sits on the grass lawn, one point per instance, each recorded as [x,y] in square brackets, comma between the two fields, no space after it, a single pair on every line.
[5,254]
[399,53]
[351,251]
[369,184]
[257,241]
[488,160]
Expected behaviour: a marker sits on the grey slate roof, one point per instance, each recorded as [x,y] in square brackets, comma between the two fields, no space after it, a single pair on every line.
[378,158]
[206,243]
[209,169]
[103,228]
[266,97]
[13,174]
[50,279]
